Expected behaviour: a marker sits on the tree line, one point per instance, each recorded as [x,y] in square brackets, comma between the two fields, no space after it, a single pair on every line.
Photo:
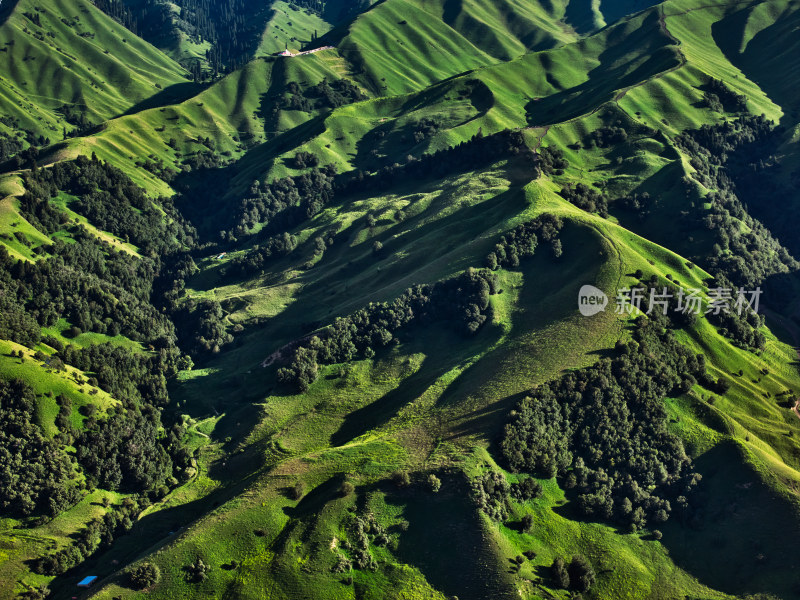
[461,302]
[746,257]
[94,287]
[36,477]
[521,242]
[602,430]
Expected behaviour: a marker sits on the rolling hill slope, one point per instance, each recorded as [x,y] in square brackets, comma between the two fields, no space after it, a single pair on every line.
[69,54]
[353,279]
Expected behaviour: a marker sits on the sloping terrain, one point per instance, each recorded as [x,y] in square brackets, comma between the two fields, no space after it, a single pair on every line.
[66,65]
[310,330]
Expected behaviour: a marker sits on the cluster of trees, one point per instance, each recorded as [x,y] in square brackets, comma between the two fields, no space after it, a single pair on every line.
[720,154]
[294,99]
[608,136]
[578,575]
[521,241]
[144,576]
[197,571]
[94,289]
[742,329]
[62,421]
[36,477]
[336,93]
[283,203]
[603,430]
[10,145]
[712,101]
[98,534]
[640,204]
[462,302]
[586,198]
[201,327]
[361,531]
[259,256]
[110,201]
[15,322]
[132,377]
[203,160]
[425,128]
[552,160]
[124,451]
[492,494]
[719,97]
[323,95]
[75,114]
[157,167]
[303,160]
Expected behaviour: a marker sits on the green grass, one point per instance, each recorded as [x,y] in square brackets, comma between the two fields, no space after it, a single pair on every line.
[105,72]
[48,383]
[290,28]
[12,222]
[436,401]
[632,565]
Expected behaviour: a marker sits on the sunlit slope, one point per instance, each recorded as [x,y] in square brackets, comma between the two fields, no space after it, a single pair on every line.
[427,400]
[405,45]
[437,401]
[507,28]
[538,88]
[57,52]
[236,114]
[362,428]
[290,27]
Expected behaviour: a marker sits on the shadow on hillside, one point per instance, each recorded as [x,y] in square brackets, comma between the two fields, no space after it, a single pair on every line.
[548,296]
[768,58]
[742,539]
[148,534]
[174,94]
[383,409]
[580,14]
[6,8]
[389,140]
[651,55]
[447,542]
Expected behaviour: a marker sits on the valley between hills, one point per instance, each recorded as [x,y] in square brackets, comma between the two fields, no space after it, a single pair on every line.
[293,300]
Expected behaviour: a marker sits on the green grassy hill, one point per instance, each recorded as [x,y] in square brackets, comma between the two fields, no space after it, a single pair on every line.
[328,490]
[58,54]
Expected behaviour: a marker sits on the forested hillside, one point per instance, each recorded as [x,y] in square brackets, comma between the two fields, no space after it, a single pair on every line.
[310,326]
